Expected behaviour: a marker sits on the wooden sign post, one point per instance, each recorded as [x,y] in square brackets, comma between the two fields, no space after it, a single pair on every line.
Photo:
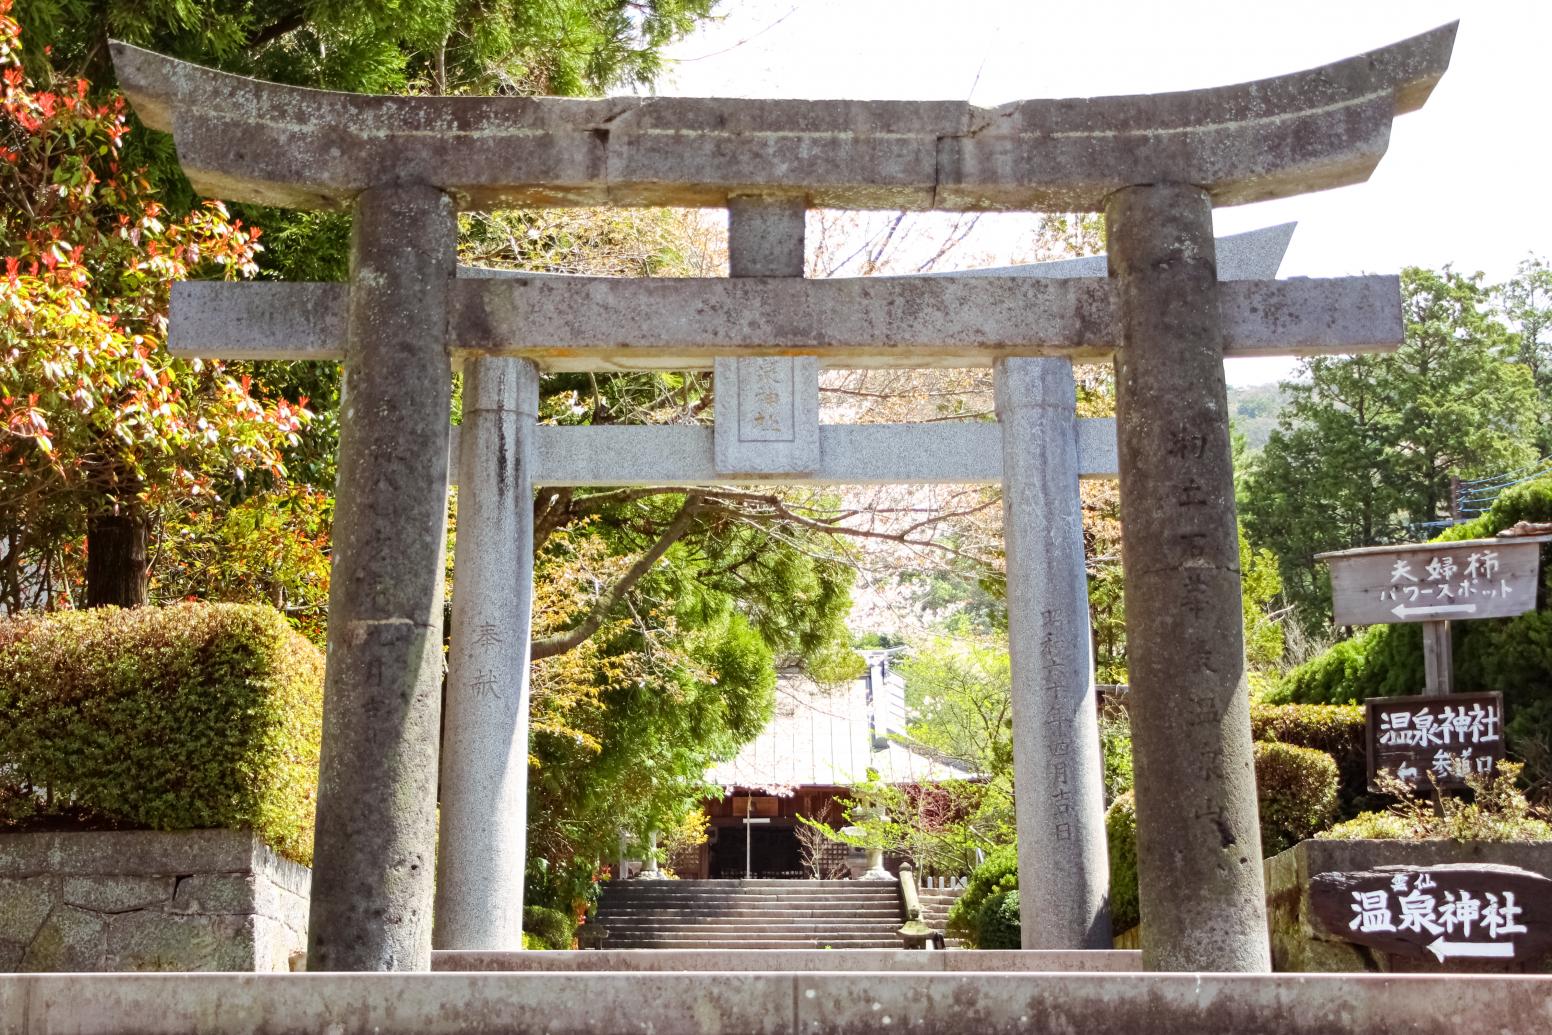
[1411,736]
[1435,583]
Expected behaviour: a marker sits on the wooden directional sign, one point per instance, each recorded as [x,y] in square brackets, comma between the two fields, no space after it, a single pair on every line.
[1451,912]
[1451,737]
[1434,582]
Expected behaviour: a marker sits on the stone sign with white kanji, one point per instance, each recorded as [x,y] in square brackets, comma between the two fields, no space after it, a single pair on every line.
[1450,737]
[1434,582]
[1451,912]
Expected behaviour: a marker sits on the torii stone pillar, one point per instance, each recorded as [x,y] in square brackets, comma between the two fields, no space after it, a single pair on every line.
[376,828]
[484,790]
[1200,885]
[1058,776]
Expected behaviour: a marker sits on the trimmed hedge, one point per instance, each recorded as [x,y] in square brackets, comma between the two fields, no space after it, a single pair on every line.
[1296,788]
[551,928]
[997,926]
[1336,729]
[176,718]
[998,873]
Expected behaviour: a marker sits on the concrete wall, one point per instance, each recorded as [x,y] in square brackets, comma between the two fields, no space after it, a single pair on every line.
[148,900]
[1294,944]
[757,1003]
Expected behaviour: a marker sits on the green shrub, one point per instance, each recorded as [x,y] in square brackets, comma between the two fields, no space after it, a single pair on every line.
[998,873]
[1121,836]
[1495,810]
[552,928]
[1296,790]
[997,925]
[1115,744]
[1335,729]
[185,717]
[1338,730]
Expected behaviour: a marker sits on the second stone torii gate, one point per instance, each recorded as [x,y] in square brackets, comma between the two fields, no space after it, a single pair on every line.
[1154,165]
[1038,450]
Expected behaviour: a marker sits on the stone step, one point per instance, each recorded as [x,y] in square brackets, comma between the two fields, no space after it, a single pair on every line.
[789,900]
[716,885]
[699,888]
[691,933]
[725,930]
[743,960]
[758,943]
[827,900]
[752,916]
[747,903]
[749,896]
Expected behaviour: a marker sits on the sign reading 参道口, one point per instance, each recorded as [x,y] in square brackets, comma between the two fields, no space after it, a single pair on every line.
[1451,912]
[1451,737]
[1432,582]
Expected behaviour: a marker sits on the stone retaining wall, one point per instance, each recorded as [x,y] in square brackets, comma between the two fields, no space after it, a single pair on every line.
[148,900]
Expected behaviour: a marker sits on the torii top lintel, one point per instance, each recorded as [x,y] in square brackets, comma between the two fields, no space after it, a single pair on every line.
[246,140]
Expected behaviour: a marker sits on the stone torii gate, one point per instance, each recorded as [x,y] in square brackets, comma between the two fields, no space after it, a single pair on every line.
[1043,451]
[1154,165]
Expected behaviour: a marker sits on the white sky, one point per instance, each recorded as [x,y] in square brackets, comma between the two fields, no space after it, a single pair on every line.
[1465,181]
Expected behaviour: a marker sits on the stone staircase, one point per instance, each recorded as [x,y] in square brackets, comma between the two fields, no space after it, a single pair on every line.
[935,905]
[751,914]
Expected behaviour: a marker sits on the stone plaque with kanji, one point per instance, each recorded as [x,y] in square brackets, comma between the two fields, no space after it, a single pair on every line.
[1452,737]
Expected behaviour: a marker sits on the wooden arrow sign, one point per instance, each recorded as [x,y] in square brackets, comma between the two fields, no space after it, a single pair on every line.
[1450,912]
[1434,582]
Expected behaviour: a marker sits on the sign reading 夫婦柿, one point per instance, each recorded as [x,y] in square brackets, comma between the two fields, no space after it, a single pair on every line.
[1474,578]
[1451,737]
[1453,912]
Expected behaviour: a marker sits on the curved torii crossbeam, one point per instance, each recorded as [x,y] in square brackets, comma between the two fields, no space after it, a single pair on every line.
[1155,165]
[299,148]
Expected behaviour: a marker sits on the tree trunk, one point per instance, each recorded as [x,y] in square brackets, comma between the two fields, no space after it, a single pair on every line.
[116,558]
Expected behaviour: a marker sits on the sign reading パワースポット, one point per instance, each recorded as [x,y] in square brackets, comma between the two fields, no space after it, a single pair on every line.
[1434,582]
[1451,912]
[1451,737]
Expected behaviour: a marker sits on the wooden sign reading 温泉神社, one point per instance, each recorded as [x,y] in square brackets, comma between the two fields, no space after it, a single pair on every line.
[1452,912]
[1434,582]
[1450,737]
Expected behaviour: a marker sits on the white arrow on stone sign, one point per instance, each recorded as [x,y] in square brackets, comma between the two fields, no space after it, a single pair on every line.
[1442,610]
[1441,948]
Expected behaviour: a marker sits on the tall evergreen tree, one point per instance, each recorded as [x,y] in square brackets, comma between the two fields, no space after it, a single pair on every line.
[1365,448]
[1527,303]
